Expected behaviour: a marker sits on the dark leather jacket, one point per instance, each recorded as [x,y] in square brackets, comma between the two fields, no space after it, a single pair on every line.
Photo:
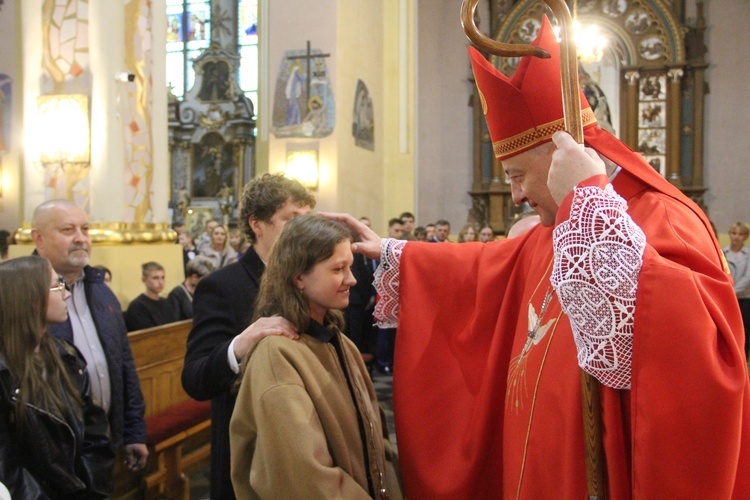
[57,456]
[127,410]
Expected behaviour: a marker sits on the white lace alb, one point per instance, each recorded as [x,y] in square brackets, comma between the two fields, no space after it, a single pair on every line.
[386,282]
[598,258]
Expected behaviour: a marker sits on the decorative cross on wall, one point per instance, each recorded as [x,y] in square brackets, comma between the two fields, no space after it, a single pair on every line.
[307,58]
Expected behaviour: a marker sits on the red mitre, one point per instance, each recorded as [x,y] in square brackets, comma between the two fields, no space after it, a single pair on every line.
[524,110]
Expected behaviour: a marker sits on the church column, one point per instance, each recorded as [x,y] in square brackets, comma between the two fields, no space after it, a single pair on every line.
[106,56]
[111,57]
[699,97]
[674,95]
[630,131]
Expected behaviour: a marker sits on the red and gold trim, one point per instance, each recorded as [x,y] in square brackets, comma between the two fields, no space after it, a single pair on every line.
[532,137]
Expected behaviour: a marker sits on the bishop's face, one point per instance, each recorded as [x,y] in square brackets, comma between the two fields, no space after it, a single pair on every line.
[528,174]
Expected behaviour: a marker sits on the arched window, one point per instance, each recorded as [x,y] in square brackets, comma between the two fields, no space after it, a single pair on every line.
[189,33]
[247,48]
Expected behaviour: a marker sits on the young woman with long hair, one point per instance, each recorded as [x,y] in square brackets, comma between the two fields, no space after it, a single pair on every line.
[54,443]
[307,423]
[468,233]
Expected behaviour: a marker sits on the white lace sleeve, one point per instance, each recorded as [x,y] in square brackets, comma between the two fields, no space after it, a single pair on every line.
[387,282]
[598,258]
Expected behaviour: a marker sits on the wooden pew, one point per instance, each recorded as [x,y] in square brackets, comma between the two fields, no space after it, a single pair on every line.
[178,427]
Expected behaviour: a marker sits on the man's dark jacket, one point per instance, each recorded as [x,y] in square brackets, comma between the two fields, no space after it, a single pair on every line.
[223,306]
[127,408]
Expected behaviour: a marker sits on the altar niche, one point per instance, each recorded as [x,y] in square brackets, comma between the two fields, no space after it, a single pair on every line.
[213,171]
[211,140]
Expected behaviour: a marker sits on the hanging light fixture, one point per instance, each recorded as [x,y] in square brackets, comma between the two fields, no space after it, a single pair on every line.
[63,130]
[590,43]
[302,164]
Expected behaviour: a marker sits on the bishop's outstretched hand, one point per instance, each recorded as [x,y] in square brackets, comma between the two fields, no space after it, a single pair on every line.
[367,241]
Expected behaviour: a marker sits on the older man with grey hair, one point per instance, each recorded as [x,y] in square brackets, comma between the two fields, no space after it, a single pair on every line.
[60,231]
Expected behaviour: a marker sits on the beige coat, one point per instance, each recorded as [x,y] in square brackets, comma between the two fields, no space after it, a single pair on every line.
[295,432]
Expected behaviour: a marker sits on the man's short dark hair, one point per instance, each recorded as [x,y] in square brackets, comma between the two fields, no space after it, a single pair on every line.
[442,222]
[394,221]
[406,215]
[263,196]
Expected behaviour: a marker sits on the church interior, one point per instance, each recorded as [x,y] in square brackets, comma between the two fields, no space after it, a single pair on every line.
[175,105]
[151,112]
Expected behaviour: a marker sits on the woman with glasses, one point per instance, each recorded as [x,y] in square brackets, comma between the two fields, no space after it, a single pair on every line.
[54,443]
[307,423]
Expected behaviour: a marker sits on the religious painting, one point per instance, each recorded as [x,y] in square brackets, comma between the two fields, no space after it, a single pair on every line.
[652,114]
[303,100]
[659,162]
[215,85]
[199,18]
[638,22]
[652,121]
[529,29]
[195,220]
[614,8]
[652,141]
[596,99]
[174,27]
[652,48]
[653,88]
[213,172]
[363,121]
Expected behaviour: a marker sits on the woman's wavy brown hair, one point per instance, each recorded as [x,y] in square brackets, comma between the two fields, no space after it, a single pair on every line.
[304,241]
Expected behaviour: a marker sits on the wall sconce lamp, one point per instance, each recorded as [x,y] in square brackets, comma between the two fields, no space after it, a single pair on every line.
[63,130]
[302,164]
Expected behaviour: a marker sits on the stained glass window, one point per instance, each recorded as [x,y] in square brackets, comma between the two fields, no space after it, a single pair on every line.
[247,47]
[188,34]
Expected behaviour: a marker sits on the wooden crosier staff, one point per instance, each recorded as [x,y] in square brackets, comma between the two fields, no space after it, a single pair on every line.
[592,426]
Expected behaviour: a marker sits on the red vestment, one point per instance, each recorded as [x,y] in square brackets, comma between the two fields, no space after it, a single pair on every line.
[682,431]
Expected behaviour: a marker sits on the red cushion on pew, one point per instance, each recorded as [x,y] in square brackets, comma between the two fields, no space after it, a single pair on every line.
[177,418]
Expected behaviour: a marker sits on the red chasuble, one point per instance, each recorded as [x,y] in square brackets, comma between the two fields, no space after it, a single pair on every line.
[477,419]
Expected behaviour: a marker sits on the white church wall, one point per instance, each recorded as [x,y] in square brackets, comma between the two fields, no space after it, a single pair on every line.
[10,182]
[727,146]
[444,134]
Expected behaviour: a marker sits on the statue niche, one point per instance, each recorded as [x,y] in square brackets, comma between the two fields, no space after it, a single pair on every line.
[215,83]
[211,139]
[213,168]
